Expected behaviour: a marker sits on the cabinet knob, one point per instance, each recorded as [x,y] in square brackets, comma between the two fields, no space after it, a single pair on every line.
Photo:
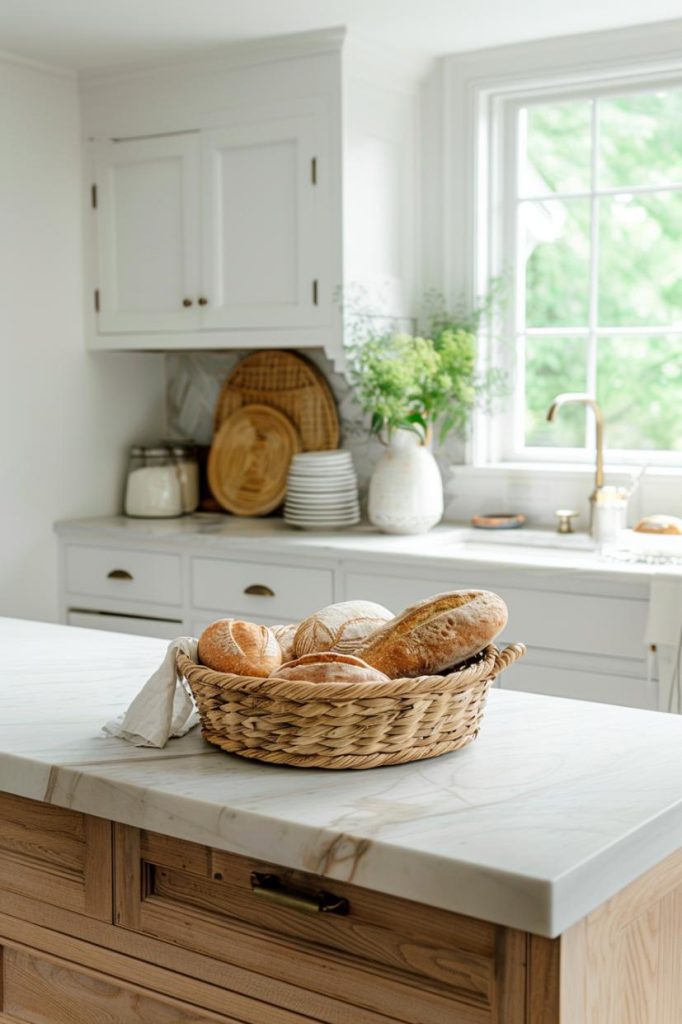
[259,590]
[119,574]
[186,302]
[203,301]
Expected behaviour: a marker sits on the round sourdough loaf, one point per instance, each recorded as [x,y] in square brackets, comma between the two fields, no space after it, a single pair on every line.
[285,637]
[436,634]
[328,667]
[242,648]
[340,627]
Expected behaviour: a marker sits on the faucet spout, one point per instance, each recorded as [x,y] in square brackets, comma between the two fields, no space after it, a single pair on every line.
[570,398]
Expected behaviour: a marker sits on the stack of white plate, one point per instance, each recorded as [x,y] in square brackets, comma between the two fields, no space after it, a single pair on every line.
[322,491]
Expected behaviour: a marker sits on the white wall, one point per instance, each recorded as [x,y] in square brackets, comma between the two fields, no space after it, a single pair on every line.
[66,416]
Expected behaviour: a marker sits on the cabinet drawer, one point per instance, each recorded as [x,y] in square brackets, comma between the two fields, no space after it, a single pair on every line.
[383,955]
[165,629]
[287,593]
[124,574]
[565,674]
[583,623]
[56,855]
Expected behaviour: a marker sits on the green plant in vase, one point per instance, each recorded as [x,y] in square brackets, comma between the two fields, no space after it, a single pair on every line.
[415,386]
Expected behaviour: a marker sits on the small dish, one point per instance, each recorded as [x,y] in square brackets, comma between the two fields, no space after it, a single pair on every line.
[499,521]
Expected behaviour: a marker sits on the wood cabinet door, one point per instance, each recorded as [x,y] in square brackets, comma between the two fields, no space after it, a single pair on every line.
[148,234]
[55,855]
[259,194]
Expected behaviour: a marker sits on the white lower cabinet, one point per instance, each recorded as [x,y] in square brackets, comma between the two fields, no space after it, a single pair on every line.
[580,645]
[585,634]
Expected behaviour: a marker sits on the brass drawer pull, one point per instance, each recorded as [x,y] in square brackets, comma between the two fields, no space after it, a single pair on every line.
[259,590]
[270,887]
[119,574]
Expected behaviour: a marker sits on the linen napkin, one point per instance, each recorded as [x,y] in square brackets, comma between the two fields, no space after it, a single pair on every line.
[164,707]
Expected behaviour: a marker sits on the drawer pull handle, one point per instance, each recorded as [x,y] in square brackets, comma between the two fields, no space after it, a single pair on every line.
[119,574]
[259,590]
[270,888]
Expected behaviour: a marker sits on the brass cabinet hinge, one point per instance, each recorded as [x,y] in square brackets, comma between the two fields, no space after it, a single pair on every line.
[96,300]
[313,171]
[315,290]
[93,196]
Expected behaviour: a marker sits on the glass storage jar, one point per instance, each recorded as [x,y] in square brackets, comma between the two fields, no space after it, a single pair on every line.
[153,488]
[185,456]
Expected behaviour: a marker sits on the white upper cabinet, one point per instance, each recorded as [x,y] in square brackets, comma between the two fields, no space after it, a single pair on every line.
[261,255]
[148,234]
[245,198]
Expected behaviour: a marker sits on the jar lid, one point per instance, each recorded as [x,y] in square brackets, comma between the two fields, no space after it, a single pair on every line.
[182,449]
[157,452]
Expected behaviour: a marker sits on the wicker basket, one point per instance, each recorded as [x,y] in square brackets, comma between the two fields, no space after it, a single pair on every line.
[345,725]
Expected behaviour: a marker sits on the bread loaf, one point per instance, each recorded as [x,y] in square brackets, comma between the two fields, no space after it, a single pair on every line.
[327,667]
[661,525]
[340,627]
[285,637]
[436,634]
[242,648]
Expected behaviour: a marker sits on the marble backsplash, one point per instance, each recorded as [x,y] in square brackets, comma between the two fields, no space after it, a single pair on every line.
[194,379]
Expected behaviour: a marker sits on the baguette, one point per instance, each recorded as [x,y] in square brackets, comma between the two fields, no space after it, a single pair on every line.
[435,634]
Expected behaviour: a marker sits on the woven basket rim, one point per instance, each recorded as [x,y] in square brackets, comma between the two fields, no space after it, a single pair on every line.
[488,664]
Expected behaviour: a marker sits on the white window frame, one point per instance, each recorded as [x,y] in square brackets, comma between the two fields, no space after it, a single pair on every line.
[480,92]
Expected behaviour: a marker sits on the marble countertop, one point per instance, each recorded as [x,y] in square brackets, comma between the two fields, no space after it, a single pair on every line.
[555,807]
[533,551]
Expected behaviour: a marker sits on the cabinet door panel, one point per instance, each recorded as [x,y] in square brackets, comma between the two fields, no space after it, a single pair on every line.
[148,233]
[259,225]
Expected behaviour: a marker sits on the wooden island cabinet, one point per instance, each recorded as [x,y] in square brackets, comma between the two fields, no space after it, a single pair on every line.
[103,922]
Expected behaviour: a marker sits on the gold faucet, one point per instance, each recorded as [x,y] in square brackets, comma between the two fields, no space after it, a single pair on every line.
[569,398]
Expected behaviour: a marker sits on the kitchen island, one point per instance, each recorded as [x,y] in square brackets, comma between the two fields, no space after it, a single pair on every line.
[532,878]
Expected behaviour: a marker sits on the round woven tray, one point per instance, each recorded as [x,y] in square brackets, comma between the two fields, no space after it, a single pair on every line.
[290,383]
[345,725]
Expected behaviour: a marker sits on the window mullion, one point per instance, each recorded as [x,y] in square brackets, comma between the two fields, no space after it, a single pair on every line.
[594,273]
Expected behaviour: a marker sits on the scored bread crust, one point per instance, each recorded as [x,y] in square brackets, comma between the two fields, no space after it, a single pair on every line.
[436,634]
[286,636]
[242,648]
[329,667]
[340,627]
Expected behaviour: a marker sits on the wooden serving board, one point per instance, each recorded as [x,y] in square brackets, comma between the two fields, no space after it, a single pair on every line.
[289,383]
[249,460]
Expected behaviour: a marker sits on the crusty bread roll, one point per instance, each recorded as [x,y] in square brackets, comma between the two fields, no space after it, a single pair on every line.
[661,525]
[340,627]
[243,648]
[436,633]
[285,636]
[327,667]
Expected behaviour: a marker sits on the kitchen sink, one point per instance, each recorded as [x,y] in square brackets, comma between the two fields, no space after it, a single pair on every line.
[468,536]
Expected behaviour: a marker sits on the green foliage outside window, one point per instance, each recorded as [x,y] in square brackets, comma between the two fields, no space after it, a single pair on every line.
[638,272]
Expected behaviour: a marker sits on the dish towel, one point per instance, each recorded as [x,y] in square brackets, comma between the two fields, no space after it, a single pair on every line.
[664,632]
[164,707]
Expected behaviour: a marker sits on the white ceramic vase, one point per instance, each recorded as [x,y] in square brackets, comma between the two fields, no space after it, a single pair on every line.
[406,489]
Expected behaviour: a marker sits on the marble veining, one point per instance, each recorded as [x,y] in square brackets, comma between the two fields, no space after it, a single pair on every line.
[554,808]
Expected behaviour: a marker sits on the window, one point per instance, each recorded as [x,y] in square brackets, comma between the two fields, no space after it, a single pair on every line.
[593,240]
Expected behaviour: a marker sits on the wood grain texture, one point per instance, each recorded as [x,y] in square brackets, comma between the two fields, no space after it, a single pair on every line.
[391,956]
[46,991]
[56,855]
[249,460]
[623,963]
